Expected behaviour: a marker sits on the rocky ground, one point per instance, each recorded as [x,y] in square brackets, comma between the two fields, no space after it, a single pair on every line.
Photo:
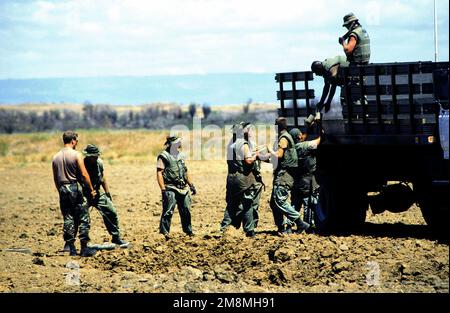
[393,253]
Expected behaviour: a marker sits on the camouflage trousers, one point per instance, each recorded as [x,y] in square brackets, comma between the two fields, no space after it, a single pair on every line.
[170,199]
[284,213]
[243,209]
[355,99]
[305,194]
[108,212]
[75,213]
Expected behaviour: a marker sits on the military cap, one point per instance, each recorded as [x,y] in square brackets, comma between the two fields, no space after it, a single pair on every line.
[91,150]
[349,18]
[280,120]
[244,124]
[172,139]
[236,127]
[295,132]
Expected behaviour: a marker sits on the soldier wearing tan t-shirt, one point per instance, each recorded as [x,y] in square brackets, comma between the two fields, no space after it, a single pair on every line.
[68,172]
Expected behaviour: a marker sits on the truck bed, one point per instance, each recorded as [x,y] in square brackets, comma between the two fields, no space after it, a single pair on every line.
[401,107]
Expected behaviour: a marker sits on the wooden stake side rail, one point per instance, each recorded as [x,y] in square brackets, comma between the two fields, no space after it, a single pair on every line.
[294,94]
[378,99]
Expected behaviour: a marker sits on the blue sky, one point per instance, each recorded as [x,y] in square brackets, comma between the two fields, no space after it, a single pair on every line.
[80,38]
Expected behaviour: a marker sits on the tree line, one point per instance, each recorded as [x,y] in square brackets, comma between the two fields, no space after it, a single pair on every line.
[156,116]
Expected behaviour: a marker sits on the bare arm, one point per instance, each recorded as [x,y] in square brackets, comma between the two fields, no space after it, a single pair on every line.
[283,144]
[279,153]
[313,144]
[316,142]
[85,174]
[263,156]
[350,45]
[190,183]
[189,179]
[248,158]
[325,91]
[105,185]
[55,180]
[160,179]
[331,96]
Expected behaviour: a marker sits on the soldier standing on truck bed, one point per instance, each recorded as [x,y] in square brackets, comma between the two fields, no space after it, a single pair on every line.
[244,183]
[285,161]
[103,200]
[68,172]
[329,69]
[305,190]
[174,180]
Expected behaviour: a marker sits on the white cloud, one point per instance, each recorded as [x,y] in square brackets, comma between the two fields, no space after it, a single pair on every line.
[43,12]
[114,14]
[112,37]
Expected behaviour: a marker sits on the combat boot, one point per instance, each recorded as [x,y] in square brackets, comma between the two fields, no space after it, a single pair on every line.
[120,242]
[288,230]
[301,226]
[312,229]
[87,251]
[166,236]
[284,230]
[250,234]
[70,247]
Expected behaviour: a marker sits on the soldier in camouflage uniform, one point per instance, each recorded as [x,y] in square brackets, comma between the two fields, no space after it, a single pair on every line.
[103,200]
[285,162]
[305,190]
[244,181]
[68,173]
[175,182]
[329,69]
[356,45]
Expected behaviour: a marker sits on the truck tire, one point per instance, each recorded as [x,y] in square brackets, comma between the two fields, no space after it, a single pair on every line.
[341,207]
[435,211]
[325,208]
[356,211]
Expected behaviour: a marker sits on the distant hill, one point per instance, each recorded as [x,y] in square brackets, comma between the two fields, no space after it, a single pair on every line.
[214,89]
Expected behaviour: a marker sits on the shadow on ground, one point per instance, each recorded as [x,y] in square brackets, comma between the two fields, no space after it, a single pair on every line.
[394,231]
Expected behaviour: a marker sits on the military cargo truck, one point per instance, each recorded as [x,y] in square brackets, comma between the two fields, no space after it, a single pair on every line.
[386,141]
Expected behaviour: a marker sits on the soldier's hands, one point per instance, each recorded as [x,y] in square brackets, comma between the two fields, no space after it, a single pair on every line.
[93,194]
[341,40]
[193,190]
[109,195]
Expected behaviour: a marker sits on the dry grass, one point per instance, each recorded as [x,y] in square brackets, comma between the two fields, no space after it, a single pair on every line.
[134,146]
[39,108]
[118,146]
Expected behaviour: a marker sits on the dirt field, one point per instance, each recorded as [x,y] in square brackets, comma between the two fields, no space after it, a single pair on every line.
[394,253]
